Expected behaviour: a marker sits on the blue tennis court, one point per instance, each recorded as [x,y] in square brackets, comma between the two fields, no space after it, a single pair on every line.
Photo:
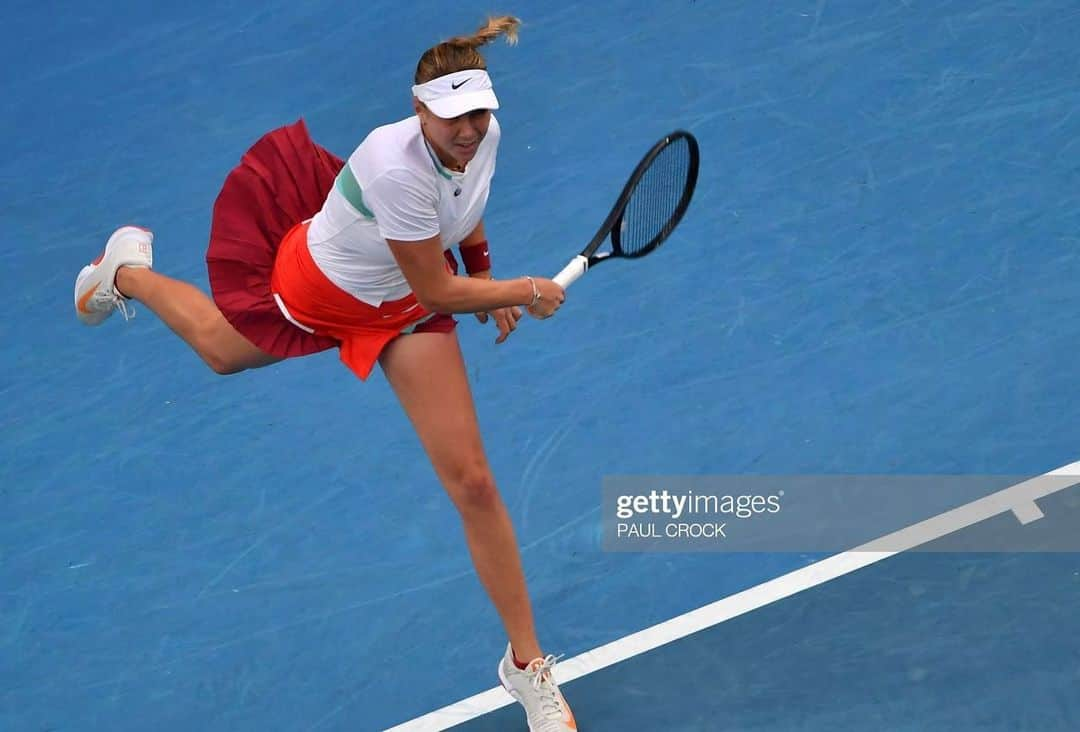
[878,275]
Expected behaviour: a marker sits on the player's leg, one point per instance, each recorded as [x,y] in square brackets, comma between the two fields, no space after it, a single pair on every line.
[428,374]
[194,317]
[124,271]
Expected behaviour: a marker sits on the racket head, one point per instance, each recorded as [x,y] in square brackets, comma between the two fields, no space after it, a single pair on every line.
[656,197]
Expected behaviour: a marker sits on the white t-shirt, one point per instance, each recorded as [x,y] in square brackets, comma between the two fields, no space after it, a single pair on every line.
[394,187]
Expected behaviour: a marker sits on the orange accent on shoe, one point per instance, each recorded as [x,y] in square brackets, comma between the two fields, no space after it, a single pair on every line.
[568,716]
[81,304]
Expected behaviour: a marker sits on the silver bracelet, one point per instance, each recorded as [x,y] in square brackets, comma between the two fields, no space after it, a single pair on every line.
[536,291]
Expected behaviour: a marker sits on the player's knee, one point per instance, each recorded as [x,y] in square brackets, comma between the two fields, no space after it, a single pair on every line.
[212,346]
[474,490]
[221,365]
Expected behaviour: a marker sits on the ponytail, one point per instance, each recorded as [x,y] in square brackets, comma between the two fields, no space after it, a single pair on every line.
[494,27]
[460,52]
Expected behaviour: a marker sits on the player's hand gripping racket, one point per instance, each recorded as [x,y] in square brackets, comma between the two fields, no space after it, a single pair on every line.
[649,207]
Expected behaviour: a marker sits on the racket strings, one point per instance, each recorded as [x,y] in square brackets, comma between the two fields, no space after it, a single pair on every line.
[651,212]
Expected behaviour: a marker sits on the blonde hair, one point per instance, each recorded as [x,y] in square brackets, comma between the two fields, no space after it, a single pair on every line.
[459,53]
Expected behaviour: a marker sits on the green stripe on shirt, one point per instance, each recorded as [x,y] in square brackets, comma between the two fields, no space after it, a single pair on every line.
[350,189]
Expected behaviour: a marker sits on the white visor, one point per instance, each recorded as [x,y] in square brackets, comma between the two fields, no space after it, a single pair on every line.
[457,93]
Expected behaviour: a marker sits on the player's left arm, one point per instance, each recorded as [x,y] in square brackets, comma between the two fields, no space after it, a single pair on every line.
[476,257]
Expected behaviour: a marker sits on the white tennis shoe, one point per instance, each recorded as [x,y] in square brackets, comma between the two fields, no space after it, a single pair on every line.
[535,689]
[95,288]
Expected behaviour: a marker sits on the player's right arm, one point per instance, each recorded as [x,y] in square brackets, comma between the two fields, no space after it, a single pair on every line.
[440,291]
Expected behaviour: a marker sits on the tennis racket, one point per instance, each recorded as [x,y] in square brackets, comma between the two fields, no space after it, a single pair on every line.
[649,208]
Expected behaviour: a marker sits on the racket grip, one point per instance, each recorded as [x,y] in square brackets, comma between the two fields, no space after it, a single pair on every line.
[572,271]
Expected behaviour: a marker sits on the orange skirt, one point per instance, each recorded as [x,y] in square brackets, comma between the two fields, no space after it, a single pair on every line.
[308,299]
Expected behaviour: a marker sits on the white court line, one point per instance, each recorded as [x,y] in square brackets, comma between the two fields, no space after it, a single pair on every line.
[1020,499]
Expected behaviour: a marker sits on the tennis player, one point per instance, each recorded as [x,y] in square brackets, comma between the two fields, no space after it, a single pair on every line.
[309,252]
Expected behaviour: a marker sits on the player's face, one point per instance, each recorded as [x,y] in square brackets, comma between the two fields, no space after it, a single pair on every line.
[455,140]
